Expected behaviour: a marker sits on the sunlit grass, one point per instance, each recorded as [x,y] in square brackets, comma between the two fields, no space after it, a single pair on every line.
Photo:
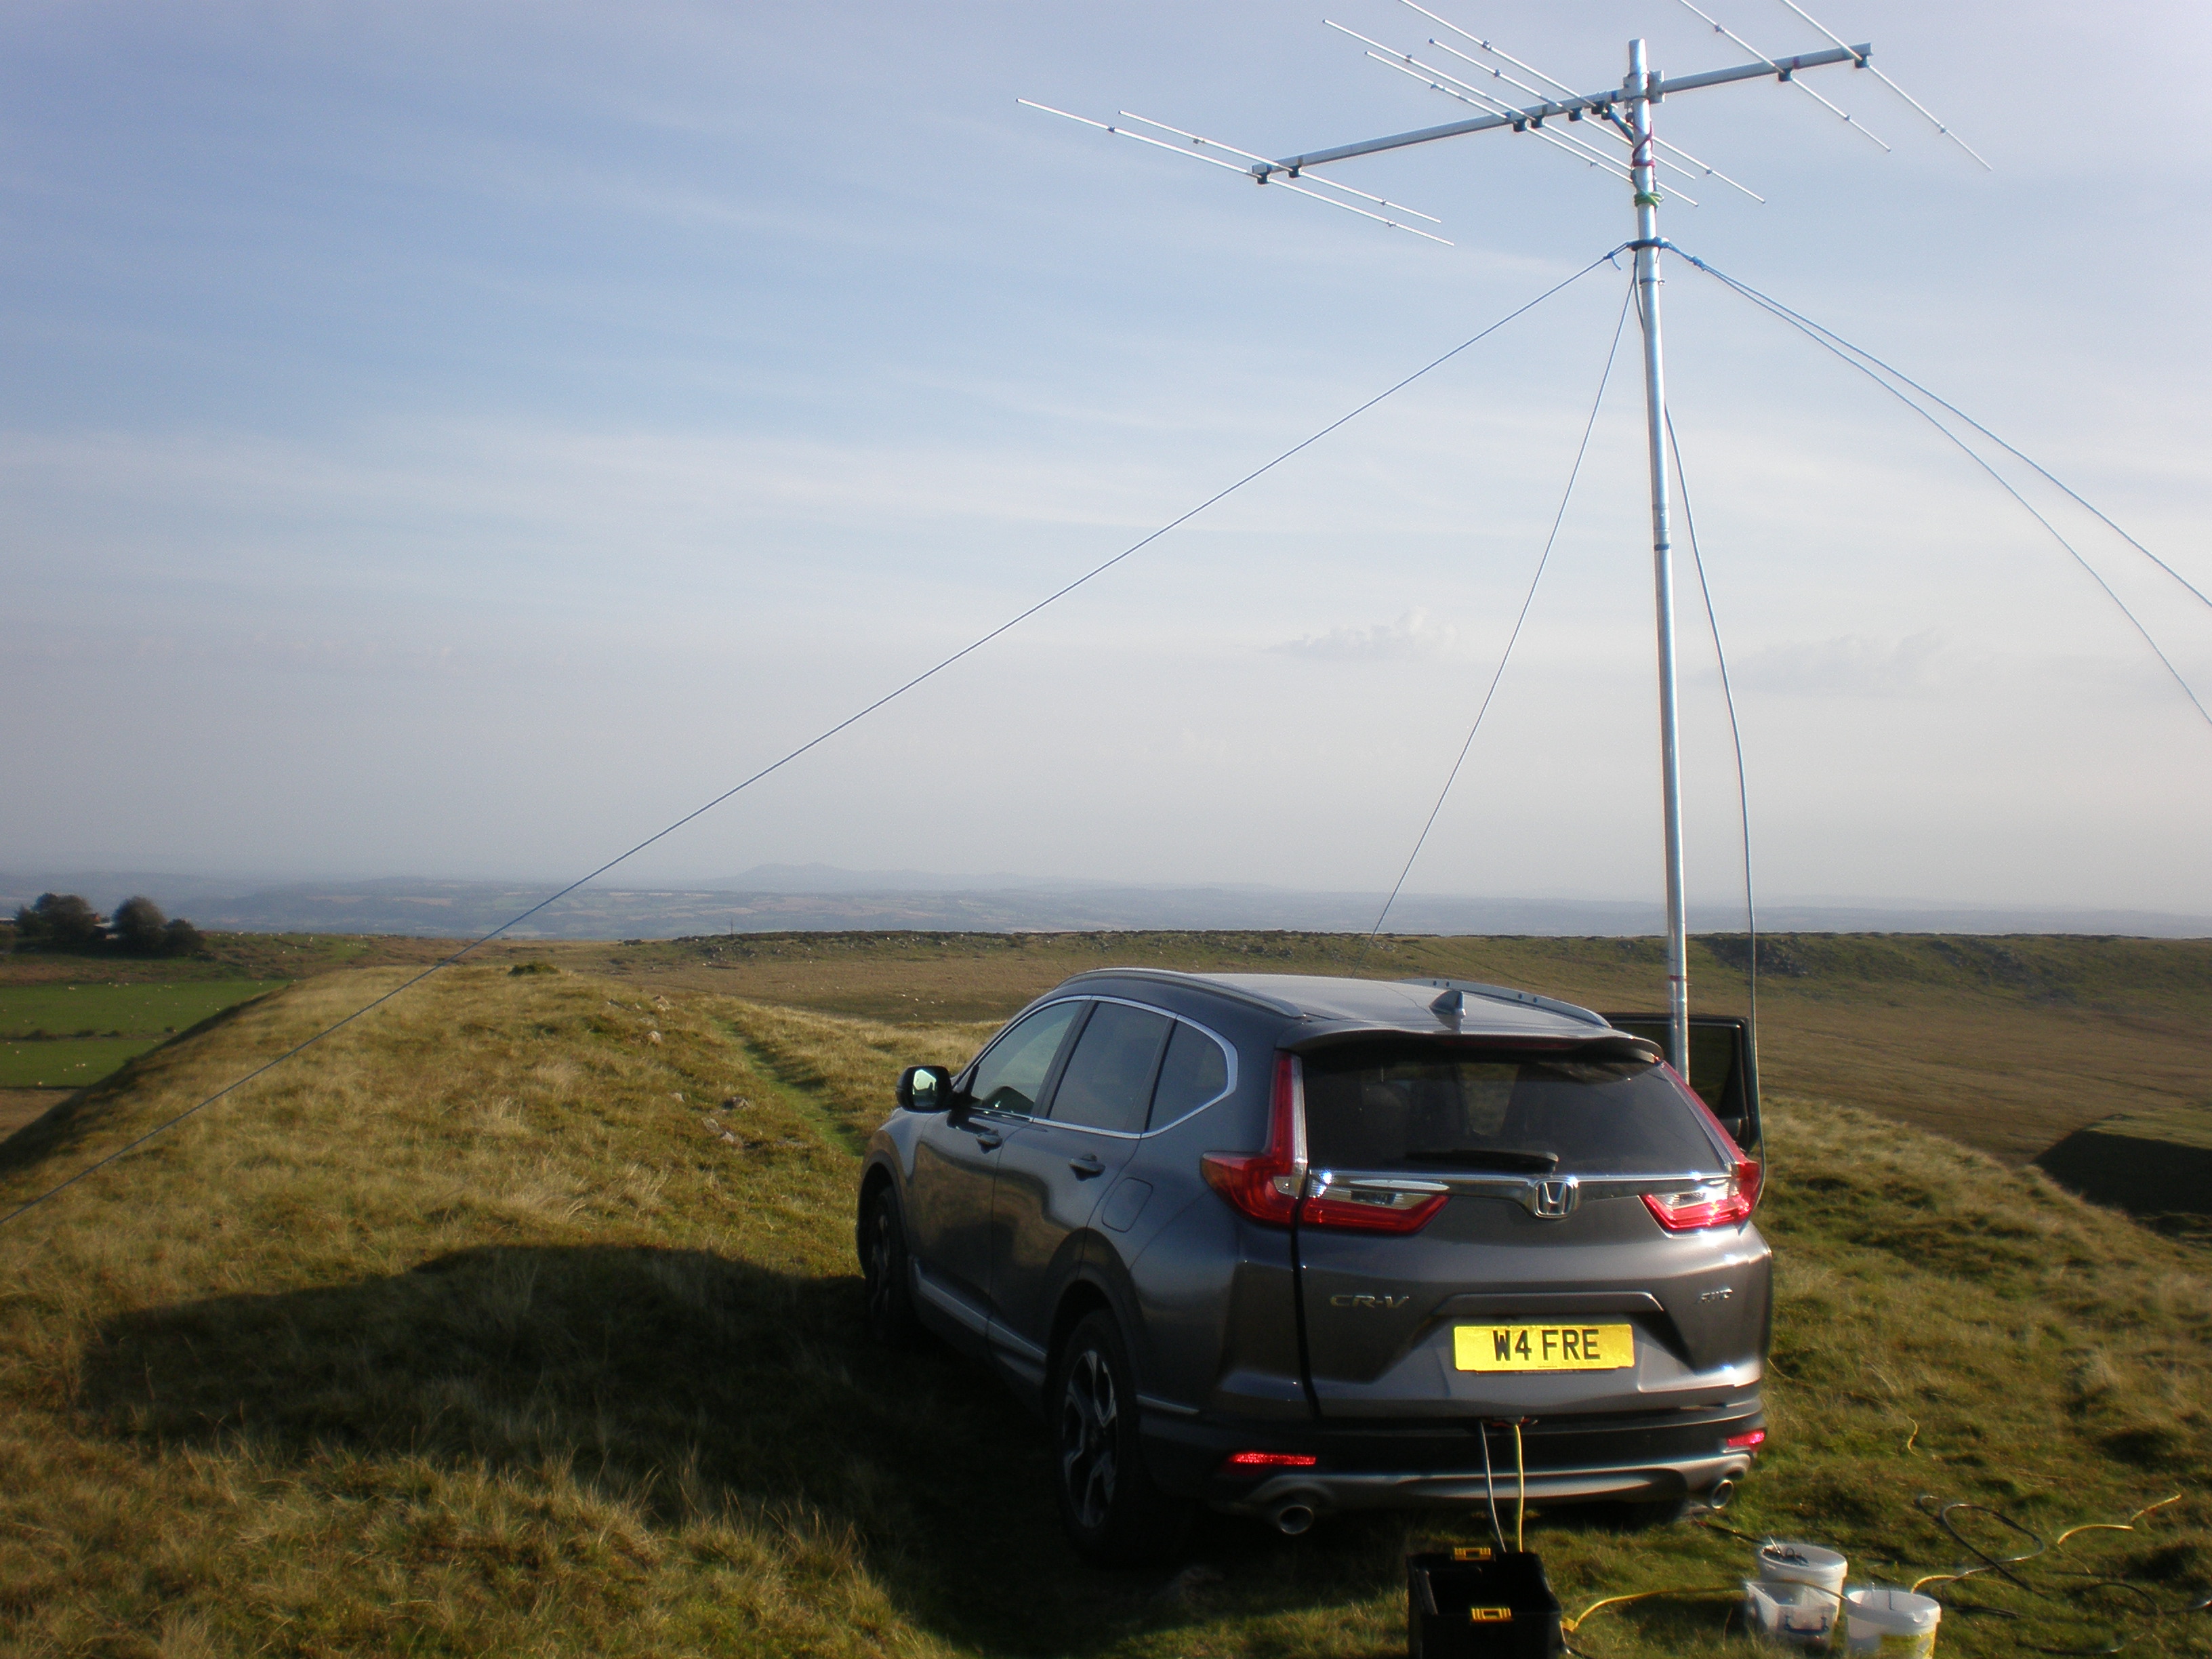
[522,1317]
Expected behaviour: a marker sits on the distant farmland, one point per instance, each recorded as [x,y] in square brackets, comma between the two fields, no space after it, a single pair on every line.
[73,1034]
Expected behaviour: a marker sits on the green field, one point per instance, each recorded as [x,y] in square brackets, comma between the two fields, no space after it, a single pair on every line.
[67,1036]
[521,1316]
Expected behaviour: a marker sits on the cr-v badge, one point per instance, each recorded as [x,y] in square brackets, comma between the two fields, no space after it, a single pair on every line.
[1365,1301]
[1548,1201]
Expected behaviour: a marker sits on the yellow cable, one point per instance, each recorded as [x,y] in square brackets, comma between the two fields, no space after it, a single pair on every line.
[1574,1624]
[1521,1489]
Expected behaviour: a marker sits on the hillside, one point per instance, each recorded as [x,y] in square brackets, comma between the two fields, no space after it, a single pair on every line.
[496,1325]
[2008,1044]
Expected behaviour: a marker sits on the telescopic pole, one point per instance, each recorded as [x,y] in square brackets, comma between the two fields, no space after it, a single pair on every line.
[1641,90]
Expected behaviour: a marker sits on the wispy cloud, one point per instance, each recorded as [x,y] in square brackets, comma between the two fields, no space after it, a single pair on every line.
[1414,636]
[1850,666]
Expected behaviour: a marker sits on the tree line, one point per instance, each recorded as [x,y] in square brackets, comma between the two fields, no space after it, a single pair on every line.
[64,923]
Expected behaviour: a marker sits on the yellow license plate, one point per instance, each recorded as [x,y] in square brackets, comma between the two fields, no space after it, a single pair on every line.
[1543,1348]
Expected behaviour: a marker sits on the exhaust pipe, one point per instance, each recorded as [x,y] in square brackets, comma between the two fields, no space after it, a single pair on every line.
[1292,1516]
[1717,1497]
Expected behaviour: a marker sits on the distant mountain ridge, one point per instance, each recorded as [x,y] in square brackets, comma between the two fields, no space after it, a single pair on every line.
[816,898]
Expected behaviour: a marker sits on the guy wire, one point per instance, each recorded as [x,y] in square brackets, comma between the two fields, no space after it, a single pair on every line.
[1735,735]
[2019,455]
[931,672]
[1837,346]
[1527,599]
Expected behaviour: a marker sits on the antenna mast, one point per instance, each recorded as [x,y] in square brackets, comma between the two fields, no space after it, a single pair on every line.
[1627,113]
[1641,88]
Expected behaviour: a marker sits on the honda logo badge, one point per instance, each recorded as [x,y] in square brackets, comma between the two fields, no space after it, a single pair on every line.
[1548,1201]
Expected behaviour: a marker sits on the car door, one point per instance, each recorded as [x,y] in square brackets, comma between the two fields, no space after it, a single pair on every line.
[955,1165]
[1055,1167]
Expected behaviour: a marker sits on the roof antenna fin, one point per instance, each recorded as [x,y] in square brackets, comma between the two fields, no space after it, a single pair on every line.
[1449,1005]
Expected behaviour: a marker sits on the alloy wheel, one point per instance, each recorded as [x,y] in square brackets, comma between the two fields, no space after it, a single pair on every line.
[880,1263]
[1088,1426]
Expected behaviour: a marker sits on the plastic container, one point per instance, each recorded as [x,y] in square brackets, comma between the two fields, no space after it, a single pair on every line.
[1476,1603]
[1793,1614]
[1893,1623]
[1784,1562]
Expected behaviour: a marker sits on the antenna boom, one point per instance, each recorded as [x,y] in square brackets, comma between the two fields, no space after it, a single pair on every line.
[1597,101]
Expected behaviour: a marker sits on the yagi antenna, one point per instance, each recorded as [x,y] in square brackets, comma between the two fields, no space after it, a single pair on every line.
[1720,27]
[1600,126]
[1704,169]
[1887,82]
[1435,79]
[1398,207]
[1265,173]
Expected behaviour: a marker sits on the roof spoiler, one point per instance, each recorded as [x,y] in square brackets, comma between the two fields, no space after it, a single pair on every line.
[1506,994]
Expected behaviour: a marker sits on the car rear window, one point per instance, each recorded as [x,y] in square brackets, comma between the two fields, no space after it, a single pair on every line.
[1440,1108]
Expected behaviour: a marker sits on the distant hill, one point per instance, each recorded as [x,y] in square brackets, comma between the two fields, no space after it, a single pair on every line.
[789,897]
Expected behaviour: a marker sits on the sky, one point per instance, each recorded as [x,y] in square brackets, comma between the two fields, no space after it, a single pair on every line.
[460,441]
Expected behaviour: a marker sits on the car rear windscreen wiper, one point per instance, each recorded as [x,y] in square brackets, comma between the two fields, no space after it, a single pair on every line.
[1487,1157]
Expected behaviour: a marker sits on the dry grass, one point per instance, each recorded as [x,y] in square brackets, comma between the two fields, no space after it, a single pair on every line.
[496,1325]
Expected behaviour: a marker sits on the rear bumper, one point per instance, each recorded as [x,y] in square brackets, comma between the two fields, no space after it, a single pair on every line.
[1325,1492]
[1646,1458]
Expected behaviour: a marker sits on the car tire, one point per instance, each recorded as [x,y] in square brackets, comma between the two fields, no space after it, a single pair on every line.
[1114,1514]
[885,1272]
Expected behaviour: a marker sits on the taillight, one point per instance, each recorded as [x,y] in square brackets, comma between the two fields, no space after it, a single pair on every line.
[1265,1185]
[1253,1462]
[1371,1210]
[1716,1203]
[1749,1440]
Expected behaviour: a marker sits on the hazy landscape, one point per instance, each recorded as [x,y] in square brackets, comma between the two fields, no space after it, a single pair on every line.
[777,898]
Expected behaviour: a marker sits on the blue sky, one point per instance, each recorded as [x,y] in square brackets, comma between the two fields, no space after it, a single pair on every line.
[458,441]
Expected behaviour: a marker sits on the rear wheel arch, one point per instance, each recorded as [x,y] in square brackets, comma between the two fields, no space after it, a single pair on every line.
[1082,1298]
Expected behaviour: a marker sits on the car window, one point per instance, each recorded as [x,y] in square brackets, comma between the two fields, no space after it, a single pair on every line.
[1012,1071]
[1194,1072]
[1400,1106]
[1108,1078]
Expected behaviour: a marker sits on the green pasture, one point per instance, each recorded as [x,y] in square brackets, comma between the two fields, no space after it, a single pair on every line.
[64,1036]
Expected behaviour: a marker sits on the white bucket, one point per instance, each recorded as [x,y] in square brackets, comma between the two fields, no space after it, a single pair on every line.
[1782,1563]
[1894,1623]
[1796,1614]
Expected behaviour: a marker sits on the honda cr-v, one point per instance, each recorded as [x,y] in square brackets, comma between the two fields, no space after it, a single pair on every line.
[1288,1246]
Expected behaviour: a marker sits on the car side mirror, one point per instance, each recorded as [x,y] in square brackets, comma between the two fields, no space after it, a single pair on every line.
[925,1089]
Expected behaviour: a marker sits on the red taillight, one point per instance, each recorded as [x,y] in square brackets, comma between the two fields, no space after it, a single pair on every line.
[1751,1440]
[1264,1185]
[1715,1203]
[1380,1213]
[1259,1460]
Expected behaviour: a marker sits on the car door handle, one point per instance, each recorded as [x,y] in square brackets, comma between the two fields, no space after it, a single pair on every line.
[1085,1167]
[990,1140]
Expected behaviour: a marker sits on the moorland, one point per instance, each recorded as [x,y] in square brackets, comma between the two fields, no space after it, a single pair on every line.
[521,1314]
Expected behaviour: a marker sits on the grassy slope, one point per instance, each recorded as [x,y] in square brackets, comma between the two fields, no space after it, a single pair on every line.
[487,1327]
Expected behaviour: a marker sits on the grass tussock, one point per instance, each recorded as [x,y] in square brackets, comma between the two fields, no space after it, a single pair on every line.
[521,1316]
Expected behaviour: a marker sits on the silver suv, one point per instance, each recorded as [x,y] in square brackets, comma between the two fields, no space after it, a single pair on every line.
[1287,1246]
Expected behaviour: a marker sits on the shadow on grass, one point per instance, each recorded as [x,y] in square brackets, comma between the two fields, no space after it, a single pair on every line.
[684,1381]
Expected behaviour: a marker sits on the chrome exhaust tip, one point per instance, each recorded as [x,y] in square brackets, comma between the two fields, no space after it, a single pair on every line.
[1292,1516]
[1717,1495]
